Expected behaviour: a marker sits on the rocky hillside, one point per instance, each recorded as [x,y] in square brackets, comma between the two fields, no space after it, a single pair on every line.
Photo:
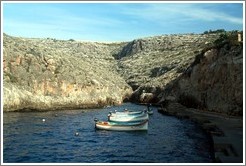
[214,81]
[49,74]
[54,74]
[149,64]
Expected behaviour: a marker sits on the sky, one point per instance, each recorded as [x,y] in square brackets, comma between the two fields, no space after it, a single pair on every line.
[112,22]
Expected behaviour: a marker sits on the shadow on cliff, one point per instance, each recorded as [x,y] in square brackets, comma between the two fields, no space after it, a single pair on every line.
[213,82]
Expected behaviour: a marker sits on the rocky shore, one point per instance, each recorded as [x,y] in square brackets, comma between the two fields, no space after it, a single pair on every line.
[226,131]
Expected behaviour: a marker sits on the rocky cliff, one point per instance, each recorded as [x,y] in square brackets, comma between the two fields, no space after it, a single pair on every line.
[214,81]
[150,64]
[53,74]
[46,74]
[203,71]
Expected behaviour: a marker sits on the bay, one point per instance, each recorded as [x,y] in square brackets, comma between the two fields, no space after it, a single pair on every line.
[29,139]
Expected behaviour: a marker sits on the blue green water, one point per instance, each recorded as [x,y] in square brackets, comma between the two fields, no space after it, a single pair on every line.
[27,139]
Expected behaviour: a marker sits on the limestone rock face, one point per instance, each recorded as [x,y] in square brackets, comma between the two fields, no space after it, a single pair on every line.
[197,70]
[46,74]
[146,97]
[215,83]
[152,63]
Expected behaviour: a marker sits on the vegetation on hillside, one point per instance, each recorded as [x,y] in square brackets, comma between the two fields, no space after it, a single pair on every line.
[69,72]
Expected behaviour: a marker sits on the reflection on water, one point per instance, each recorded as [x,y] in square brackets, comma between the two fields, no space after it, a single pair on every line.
[27,139]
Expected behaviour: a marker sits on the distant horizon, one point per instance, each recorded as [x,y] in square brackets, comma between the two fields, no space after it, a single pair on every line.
[115,41]
[117,22]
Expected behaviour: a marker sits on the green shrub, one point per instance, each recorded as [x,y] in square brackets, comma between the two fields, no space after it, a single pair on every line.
[229,37]
[214,31]
[71,40]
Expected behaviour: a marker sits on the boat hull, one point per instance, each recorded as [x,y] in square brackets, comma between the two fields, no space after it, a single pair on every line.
[122,127]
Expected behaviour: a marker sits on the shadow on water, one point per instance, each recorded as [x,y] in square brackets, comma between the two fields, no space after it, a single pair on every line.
[70,137]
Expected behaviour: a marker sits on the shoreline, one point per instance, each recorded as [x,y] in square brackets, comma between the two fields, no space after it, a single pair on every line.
[226,132]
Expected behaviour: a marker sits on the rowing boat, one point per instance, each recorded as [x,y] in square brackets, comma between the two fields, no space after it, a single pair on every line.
[132,126]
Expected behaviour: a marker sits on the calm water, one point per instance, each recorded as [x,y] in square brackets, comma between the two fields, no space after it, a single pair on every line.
[27,139]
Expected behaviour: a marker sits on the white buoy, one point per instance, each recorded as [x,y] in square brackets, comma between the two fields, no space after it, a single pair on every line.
[76,134]
[43,120]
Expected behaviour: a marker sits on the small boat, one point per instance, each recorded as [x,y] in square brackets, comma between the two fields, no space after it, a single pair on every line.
[127,118]
[133,126]
[149,110]
[127,113]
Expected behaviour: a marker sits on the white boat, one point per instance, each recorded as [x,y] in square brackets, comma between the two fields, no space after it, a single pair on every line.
[133,126]
[127,118]
[127,113]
